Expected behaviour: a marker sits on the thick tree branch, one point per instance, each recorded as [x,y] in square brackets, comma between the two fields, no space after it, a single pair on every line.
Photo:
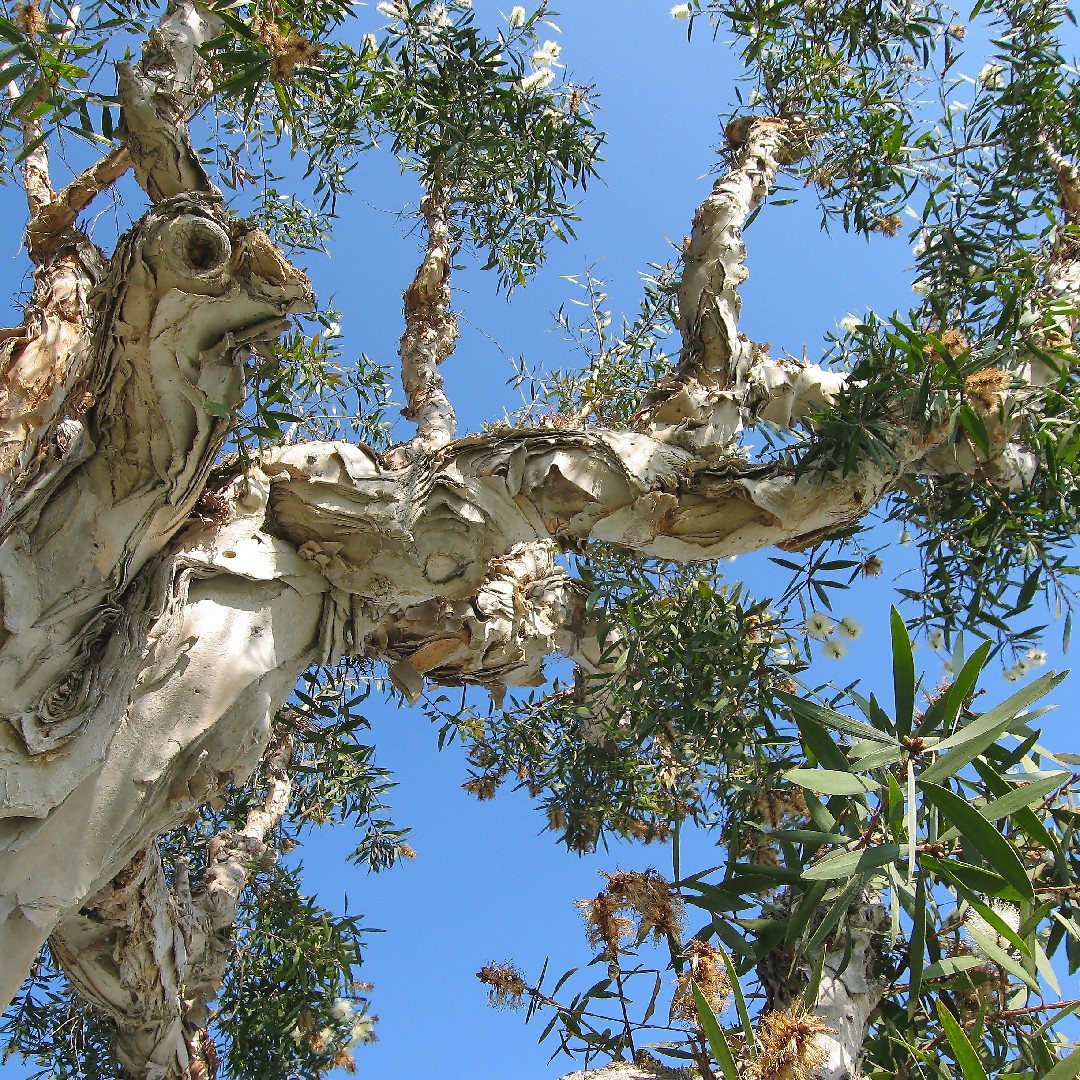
[430,331]
[153,957]
[722,379]
[849,989]
[159,95]
[37,185]
[45,374]
[88,612]
[49,225]
[35,166]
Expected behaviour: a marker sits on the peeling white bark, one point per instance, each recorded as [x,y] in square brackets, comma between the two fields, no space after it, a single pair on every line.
[627,1070]
[153,957]
[430,332]
[849,989]
[724,382]
[160,93]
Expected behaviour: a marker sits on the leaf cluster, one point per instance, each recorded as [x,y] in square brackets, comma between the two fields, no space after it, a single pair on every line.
[676,718]
[458,108]
[966,826]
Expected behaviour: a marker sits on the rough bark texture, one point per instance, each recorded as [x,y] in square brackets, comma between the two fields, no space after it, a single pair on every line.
[848,991]
[628,1070]
[150,633]
[152,956]
[430,331]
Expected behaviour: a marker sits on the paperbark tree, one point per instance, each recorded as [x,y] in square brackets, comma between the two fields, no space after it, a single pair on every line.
[161,600]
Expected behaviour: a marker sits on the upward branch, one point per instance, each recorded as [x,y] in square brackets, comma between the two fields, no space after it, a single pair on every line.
[430,328]
[723,380]
[159,95]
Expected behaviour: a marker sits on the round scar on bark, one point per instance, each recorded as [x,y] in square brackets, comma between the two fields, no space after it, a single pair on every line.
[441,566]
[199,248]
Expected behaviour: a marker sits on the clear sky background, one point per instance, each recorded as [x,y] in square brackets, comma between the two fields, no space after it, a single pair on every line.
[486,885]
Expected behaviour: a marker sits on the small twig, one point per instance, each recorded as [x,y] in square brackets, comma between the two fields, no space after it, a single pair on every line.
[1009,1014]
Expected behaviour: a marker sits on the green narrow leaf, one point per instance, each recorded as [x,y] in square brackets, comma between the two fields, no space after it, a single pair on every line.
[1052,1020]
[1016,801]
[838,909]
[740,998]
[903,674]
[963,1051]
[971,747]
[831,782]
[880,758]
[950,965]
[1066,1069]
[813,984]
[944,711]
[982,836]
[712,1031]
[976,879]
[820,743]
[1007,710]
[894,813]
[797,920]
[917,946]
[829,718]
[1044,967]
[843,864]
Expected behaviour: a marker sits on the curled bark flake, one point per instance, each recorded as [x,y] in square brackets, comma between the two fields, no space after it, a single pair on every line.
[527,609]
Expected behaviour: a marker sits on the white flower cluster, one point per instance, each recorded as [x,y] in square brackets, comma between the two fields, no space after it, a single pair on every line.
[547,55]
[1033,658]
[438,16]
[1007,913]
[991,77]
[546,59]
[516,17]
[351,1027]
[820,627]
[680,11]
[390,8]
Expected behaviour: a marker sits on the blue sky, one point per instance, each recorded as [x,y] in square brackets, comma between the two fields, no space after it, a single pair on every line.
[485,885]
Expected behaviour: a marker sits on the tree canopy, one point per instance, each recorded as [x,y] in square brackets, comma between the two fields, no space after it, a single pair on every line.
[896,887]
